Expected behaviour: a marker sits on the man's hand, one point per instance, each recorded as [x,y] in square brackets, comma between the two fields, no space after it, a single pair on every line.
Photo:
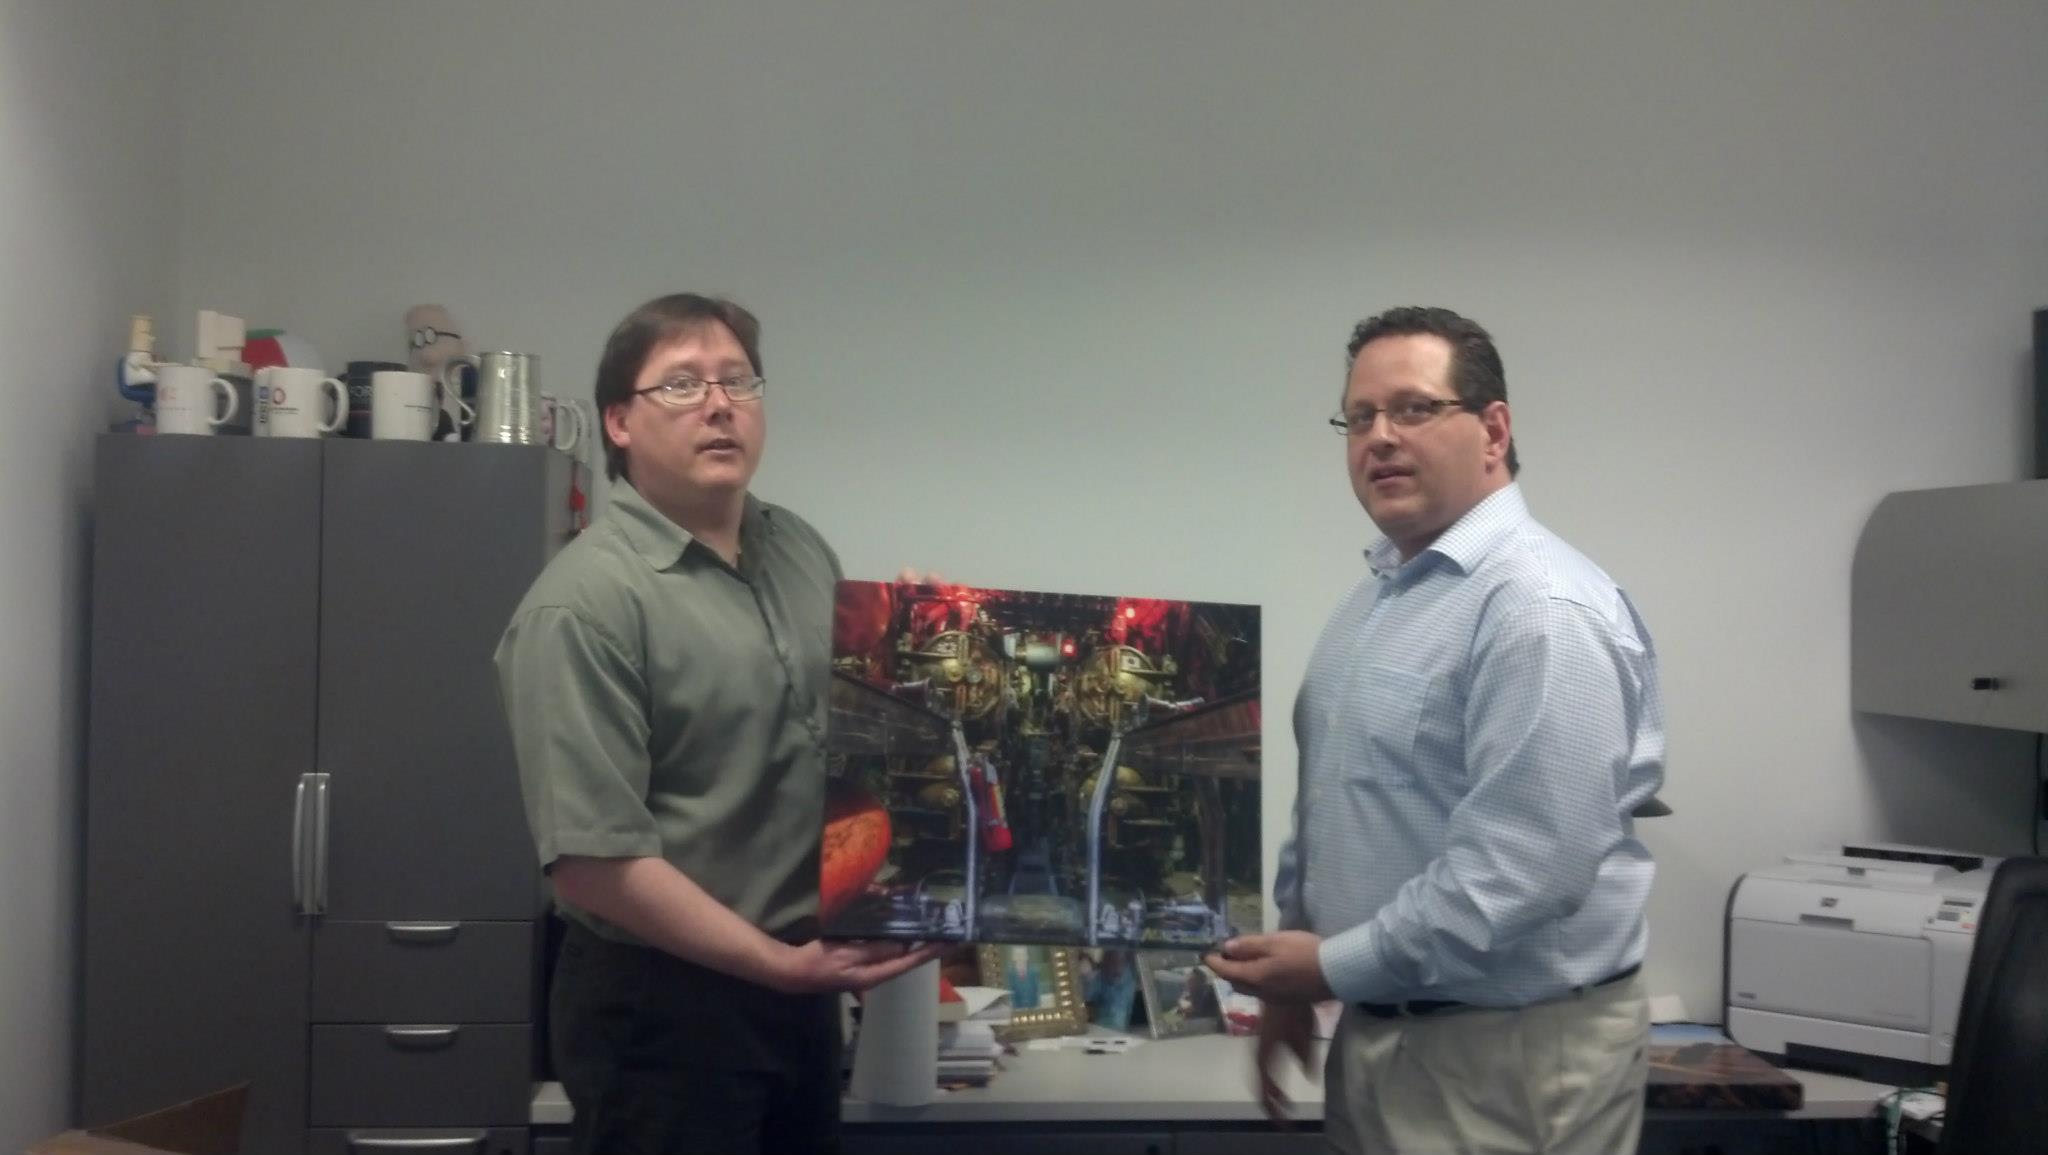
[1282,1026]
[1282,967]
[844,966]
[911,577]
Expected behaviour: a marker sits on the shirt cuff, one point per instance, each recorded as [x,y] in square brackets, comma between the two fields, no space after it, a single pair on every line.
[600,844]
[1352,965]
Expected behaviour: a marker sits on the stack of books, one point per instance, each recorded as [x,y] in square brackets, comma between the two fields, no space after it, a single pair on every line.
[968,1050]
[968,1053]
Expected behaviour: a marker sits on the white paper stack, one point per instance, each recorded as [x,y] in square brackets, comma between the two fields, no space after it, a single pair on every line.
[968,1052]
[961,1033]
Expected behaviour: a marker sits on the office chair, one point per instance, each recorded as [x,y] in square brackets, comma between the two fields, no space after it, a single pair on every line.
[1998,1076]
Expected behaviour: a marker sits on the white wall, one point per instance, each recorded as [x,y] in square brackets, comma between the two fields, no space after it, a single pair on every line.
[87,191]
[1056,296]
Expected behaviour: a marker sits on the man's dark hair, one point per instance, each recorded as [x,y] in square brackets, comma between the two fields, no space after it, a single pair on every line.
[644,329]
[1476,371]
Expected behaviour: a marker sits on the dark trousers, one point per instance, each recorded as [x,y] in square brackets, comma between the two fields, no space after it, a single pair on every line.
[664,1057]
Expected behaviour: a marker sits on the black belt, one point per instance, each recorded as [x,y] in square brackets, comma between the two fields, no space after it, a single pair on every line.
[1416,1008]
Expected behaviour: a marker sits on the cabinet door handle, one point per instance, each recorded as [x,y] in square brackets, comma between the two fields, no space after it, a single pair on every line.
[300,900]
[422,933]
[403,1143]
[319,900]
[421,1038]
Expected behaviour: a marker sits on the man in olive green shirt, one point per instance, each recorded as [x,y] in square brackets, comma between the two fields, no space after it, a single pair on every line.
[666,679]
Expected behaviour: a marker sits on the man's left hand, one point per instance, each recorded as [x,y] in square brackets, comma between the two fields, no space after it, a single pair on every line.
[1280,967]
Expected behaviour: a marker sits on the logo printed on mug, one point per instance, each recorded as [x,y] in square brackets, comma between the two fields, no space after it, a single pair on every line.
[287,410]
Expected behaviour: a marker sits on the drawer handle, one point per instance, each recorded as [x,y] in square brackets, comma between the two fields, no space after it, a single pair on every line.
[422,933]
[421,1038]
[394,1143]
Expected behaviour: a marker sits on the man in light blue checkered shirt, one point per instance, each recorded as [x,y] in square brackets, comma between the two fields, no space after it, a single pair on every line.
[1477,724]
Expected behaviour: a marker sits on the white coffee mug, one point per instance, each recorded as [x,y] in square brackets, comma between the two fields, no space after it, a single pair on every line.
[289,402]
[403,406]
[185,400]
[556,415]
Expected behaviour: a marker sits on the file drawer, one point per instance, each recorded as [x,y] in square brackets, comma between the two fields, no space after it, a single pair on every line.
[422,1075]
[435,1141]
[423,972]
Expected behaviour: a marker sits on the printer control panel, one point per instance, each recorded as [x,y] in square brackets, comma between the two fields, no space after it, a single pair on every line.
[1955,914]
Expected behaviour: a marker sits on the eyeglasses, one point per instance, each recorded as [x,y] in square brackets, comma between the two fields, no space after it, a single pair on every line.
[423,337]
[688,392]
[1408,412]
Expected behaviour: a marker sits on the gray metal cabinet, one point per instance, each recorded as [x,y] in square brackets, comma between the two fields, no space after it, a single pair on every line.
[205,625]
[421,569]
[307,867]
[1949,606]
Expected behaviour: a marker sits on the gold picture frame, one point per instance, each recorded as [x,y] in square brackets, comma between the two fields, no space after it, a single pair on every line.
[1041,975]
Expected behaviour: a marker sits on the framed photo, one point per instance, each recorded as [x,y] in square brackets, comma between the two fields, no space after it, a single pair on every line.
[1109,985]
[1181,995]
[1013,766]
[1044,998]
[1241,1012]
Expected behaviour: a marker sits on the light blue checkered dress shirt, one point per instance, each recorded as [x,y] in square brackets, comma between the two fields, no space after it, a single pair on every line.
[1475,727]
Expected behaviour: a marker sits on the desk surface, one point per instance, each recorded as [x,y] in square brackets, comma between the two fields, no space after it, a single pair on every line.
[1204,1078]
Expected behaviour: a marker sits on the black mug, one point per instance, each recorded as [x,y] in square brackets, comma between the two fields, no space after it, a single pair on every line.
[245,405]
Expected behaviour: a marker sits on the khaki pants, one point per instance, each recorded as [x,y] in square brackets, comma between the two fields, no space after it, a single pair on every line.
[1559,1078]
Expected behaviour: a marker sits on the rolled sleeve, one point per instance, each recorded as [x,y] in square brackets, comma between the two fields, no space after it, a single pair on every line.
[577,708]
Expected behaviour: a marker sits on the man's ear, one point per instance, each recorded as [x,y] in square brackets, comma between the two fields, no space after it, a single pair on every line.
[615,426]
[1500,429]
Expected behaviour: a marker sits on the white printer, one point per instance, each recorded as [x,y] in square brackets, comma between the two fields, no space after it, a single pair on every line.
[1854,960]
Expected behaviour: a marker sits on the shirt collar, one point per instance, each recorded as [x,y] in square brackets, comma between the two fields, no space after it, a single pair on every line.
[661,542]
[1469,539]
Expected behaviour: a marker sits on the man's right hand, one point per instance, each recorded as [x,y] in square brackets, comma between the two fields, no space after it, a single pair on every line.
[1282,1025]
[844,966]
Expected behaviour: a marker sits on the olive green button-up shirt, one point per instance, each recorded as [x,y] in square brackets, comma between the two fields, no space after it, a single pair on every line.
[663,702]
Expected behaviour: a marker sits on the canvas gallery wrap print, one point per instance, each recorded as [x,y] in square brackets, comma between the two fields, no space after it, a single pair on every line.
[1018,767]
